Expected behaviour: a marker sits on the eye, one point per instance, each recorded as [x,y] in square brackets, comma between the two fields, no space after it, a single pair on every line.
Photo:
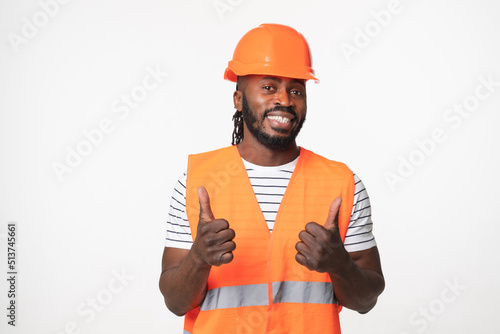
[296,92]
[267,87]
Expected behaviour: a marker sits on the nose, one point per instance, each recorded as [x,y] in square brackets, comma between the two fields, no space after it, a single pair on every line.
[282,98]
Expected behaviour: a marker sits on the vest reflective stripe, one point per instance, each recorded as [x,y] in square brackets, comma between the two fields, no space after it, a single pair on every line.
[186,332]
[257,294]
[235,296]
[303,292]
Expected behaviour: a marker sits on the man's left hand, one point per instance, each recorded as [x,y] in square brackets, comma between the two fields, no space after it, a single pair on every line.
[321,248]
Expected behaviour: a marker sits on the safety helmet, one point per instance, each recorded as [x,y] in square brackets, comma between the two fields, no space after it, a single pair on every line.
[271,49]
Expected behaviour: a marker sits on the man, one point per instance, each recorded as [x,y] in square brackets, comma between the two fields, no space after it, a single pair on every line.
[265,236]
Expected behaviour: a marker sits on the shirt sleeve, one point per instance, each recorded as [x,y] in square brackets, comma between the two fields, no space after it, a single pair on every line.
[178,230]
[359,234]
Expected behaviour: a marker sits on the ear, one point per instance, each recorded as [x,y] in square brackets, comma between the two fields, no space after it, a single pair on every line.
[238,100]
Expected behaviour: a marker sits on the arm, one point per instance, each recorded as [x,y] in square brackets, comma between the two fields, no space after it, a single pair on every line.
[356,277]
[358,285]
[184,274]
[183,280]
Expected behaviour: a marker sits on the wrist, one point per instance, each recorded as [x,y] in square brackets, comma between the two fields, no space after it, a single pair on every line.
[197,260]
[343,267]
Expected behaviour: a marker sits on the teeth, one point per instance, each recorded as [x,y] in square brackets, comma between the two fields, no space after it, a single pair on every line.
[279,119]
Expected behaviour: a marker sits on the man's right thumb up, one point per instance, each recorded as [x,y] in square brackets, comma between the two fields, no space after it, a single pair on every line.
[206,214]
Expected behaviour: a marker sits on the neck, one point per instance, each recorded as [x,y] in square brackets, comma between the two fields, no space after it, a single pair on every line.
[253,151]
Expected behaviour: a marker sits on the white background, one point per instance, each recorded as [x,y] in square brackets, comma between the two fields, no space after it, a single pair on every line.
[437,226]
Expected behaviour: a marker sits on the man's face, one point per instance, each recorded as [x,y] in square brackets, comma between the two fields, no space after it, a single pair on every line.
[274,109]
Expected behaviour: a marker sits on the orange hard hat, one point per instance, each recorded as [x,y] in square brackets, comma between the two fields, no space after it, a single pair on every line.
[271,49]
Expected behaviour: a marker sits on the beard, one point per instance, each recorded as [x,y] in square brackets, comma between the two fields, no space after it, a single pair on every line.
[254,125]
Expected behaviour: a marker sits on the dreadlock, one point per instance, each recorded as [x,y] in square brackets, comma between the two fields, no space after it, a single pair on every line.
[238,119]
[238,127]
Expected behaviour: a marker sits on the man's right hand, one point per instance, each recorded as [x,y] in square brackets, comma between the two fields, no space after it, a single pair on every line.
[214,243]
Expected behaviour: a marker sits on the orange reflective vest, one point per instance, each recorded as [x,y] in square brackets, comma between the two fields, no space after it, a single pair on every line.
[264,290]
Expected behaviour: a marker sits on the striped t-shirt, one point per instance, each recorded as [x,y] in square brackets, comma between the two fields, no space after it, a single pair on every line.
[269,184]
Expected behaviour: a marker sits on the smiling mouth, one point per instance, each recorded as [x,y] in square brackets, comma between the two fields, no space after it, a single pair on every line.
[280,119]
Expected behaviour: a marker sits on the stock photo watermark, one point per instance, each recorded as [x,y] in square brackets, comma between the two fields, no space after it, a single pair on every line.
[223,6]
[12,273]
[87,310]
[371,29]
[121,107]
[31,26]
[453,118]
[421,319]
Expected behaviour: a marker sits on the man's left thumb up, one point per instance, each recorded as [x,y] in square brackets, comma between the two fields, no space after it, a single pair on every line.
[332,222]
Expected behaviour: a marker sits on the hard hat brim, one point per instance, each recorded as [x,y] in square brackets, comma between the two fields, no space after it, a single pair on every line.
[236,69]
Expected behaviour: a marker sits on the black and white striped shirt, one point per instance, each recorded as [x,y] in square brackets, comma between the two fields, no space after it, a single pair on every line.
[269,184]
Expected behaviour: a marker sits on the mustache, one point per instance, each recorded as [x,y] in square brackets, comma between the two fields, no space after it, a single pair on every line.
[281,108]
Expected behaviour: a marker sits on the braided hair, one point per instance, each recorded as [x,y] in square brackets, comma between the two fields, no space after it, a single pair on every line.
[238,127]
[237,120]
